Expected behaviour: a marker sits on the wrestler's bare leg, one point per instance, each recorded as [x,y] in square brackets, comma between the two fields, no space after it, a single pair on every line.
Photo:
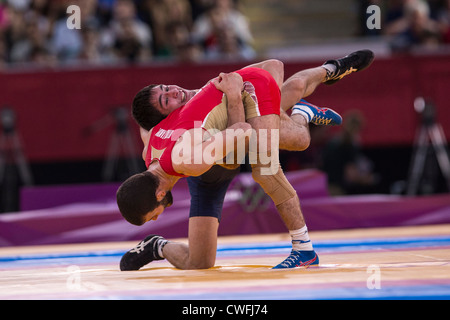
[296,87]
[201,252]
[274,67]
[282,193]
[289,210]
[301,85]
[294,130]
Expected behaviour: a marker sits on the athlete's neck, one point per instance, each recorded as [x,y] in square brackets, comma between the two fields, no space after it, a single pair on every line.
[166,181]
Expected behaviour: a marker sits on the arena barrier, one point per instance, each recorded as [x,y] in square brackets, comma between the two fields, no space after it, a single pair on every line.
[67,220]
[56,108]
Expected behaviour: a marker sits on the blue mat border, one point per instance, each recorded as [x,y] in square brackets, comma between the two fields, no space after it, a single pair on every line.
[264,248]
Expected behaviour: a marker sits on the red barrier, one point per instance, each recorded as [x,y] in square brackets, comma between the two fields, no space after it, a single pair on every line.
[99,220]
[55,107]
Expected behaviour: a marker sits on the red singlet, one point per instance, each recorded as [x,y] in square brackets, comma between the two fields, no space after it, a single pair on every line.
[195,113]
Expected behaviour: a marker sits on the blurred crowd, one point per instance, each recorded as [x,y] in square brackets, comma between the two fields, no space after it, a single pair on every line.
[36,31]
[410,23]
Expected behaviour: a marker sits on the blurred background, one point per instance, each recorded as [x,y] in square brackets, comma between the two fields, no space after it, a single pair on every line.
[65,94]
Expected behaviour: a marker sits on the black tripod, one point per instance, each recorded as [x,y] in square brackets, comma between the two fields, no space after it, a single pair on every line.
[429,132]
[11,158]
[121,139]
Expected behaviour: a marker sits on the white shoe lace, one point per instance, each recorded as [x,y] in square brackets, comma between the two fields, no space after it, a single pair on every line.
[141,246]
[289,261]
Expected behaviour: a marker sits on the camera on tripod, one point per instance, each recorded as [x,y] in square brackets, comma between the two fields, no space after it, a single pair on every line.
[13,163]
[426,109]
[430,131]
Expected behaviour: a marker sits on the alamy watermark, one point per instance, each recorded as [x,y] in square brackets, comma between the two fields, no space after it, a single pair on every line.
[374,280]
[75,283]
[374,19]
[74,19]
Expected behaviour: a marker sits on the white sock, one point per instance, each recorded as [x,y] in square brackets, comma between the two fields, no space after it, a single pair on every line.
[331,68]
[300,239]
[161,243]
[305,111]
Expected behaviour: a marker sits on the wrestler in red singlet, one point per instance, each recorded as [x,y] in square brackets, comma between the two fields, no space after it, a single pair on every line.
[196,112]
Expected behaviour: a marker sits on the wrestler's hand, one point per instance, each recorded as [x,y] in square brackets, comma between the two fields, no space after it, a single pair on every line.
[229,83]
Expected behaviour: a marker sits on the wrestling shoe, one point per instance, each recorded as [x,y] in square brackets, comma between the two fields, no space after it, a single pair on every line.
[316,115]
[301,258]
[354,62]
[145,252]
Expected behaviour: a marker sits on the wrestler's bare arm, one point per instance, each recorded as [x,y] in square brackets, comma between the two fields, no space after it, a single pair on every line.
[205,151]
[193,158]
[232,85]
[145,136]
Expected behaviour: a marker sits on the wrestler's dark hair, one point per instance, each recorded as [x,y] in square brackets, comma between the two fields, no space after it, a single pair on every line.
[145,114]
[137,196]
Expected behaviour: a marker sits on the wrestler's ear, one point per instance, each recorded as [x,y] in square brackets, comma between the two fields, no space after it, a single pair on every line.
[160,194]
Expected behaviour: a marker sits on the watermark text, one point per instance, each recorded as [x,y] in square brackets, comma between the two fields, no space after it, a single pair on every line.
[374,19]
[74,20]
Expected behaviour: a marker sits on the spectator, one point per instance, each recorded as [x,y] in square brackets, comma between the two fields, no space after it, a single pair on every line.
[16,34]
[127,36]
[104,11]
[163,15]
[199,7]
[92,51]
[227,44]
[33,46]
[348,170]
[413,27]
[4,24]
[223,32]
[2,52]
[179,45]
[443,17]
[36,31]
[67,44]
[4,17]
[20,5]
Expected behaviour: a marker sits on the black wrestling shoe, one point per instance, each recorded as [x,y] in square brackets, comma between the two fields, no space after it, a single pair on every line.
[354,62]
[144,253]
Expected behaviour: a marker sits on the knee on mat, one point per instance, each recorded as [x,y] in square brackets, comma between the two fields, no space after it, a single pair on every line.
[204,264]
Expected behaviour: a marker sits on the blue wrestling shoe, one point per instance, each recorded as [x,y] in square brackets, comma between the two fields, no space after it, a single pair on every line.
[316,115]
[299,259]
[145,252]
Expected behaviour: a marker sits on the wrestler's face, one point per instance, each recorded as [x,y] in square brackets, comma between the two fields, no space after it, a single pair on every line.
[166,202]
[168,98]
